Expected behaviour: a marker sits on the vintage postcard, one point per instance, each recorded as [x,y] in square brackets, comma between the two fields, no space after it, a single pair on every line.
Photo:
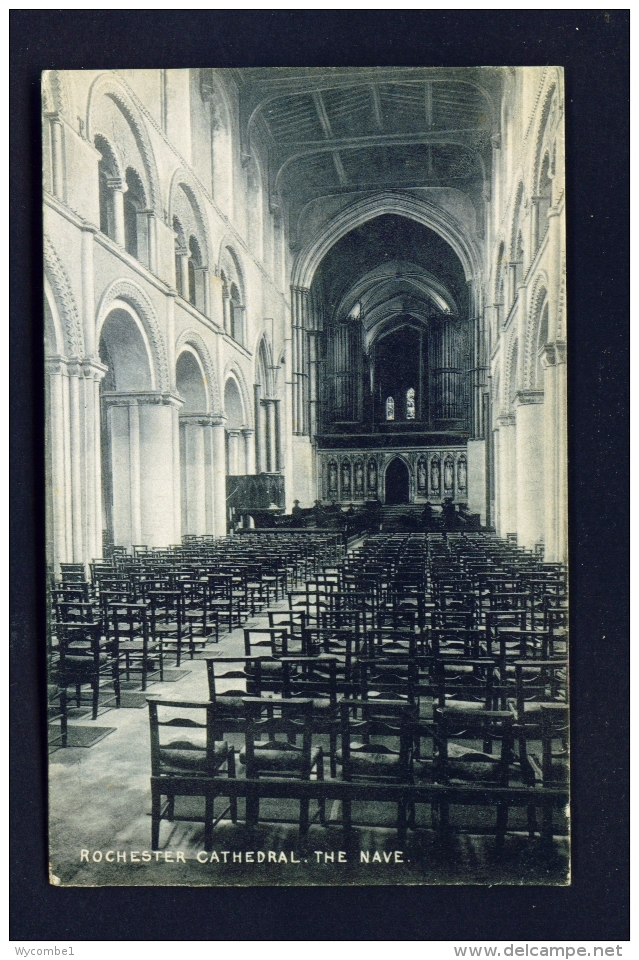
[306,519]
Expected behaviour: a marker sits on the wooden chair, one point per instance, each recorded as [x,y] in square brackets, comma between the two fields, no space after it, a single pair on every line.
[315,678]
[186,766]
[550,760]
[377,745]
[279,755]
[128,626]
[474,748]
[84,659]
[231,679]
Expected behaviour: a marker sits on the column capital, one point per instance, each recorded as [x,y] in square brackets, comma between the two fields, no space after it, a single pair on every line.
[553,353]
[135,398]
[506,420]
[218,419]
[116,183]
[248,432]
[234,432]
[88,227]
[196,419]
[526,397]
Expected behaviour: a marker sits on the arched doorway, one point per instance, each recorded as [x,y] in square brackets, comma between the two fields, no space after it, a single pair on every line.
[397,482]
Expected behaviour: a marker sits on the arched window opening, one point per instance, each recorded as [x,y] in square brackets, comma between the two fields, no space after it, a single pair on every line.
[410,403]
[400,372]
[196,293]
[512,393]
[519,262]
[108,181]
[181,281]
[233,302]
[237,315]
[545,199]
[542,339]
[135,217]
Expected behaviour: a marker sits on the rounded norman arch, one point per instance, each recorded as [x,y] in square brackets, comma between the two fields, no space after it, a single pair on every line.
[537,301]
[233,370]
[512,372]
[183,179]
[358,213]
[190,381]
[128,292]
[189,338]
[106,85]
[125,350]
[60,285]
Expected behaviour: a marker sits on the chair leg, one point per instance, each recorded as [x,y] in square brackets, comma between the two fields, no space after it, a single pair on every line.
[171,807]
[252,809]
[156,809]
[231,773]
[501,827]
[321,803]
[401,822]
[333,755]
[347,821]
[304,816]
[209,816]
[96,696]
[63,716]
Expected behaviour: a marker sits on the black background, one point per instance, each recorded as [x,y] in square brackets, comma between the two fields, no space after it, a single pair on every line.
[593,46]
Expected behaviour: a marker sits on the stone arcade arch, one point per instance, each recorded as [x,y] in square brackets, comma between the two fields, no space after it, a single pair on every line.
[140,453]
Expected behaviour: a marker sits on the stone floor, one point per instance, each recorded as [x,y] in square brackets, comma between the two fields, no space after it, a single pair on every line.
[99,807]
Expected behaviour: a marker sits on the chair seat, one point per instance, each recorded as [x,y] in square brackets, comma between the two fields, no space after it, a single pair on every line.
[137,646]
[277,757]
[182,756]
[462,705]
[231,704]
[86,660]
[371,759]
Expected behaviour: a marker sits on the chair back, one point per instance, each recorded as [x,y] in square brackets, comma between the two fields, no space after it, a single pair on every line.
[281,722]
[183,737]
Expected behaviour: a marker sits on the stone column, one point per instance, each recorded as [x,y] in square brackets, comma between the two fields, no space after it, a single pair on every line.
[530,467]
[555,452]
[60,495]
[182,256]
[507,479]
[151,242]
[193,473]
[272,439]
[249,450]
[117,198]
[206,292]
[209,477]
[234,451]
[88,289]
[219,476]
[145,484]
[57,157]
[92,458]
[226,308]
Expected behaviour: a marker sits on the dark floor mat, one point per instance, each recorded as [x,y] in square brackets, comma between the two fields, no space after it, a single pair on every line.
[78,736]
[170,676]
[132,699]
[73,713]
